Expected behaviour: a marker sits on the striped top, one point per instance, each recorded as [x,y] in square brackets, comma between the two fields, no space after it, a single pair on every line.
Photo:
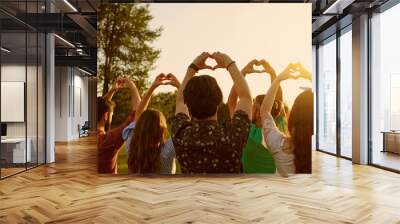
[167,154]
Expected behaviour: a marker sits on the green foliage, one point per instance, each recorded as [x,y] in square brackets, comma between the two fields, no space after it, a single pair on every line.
[124,41]
[164,102]
[123,107]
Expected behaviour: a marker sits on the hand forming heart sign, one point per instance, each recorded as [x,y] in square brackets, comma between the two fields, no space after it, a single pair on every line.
[166,79]
[254,66]
[258,66]
[295,71]
[222,60]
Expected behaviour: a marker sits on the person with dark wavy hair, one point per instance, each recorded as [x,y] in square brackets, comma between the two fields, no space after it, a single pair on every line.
[204,145]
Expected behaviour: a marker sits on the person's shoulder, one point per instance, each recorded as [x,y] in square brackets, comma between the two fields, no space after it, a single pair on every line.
[179,124]
[128,129]
[241,115]
[181,116]
[181,119]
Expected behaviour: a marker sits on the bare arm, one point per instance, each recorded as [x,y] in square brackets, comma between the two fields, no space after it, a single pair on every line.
[233,97]
[268,69]
[144,103]
[109,95]
[271,71]
[242,89]
[269,98]
[180,104]
[232,101]
[198,62]
[239,82]
[135,96]
[249,68]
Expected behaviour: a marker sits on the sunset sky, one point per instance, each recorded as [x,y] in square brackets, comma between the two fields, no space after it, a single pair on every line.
[279,33]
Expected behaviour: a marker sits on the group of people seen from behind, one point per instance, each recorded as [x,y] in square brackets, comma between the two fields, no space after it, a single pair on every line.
[260,135]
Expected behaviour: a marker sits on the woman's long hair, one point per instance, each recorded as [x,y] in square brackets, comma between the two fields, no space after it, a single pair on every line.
[301,127]
[148,139]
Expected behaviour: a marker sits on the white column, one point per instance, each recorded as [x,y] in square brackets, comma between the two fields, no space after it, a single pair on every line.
[50,100]
[360,90]
[314,86]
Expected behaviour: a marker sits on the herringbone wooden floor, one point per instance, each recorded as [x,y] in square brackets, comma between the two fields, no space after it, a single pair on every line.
[70,191]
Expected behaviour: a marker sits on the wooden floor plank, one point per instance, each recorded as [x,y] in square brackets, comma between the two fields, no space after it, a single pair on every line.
[70,191]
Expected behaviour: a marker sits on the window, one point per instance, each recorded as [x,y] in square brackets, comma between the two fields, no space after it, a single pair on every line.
[346,93]
[385,89]
[327,96]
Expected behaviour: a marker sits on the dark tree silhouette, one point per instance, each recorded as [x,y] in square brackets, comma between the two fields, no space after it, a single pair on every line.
[124,44]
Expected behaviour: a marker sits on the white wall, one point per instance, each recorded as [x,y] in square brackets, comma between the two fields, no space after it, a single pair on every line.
[71,103]
[16,73]
[33,127]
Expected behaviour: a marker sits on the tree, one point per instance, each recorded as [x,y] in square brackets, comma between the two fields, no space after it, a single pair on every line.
[164,102]
[124,44]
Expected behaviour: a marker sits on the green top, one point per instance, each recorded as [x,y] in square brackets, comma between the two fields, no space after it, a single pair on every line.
[255,157]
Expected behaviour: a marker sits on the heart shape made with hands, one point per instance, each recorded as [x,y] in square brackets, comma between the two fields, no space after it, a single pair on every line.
[255,66]
[258,68]
[211,62]
[165,78]
[295,71]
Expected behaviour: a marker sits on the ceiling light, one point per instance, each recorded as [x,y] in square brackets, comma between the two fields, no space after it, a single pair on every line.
[65,41]
[70,5]
[338,6]
[5,50]
[84,71]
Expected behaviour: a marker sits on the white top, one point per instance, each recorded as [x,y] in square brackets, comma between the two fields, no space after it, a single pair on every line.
[280,146]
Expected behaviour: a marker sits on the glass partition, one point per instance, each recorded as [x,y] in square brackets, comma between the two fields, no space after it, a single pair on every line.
[31,98]
[14,151]
[22,88]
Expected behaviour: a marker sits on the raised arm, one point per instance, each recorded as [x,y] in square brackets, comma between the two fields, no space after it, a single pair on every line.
[197,64]
[135,96]
[304,73]
[239,82]
[269,69]
[233,97]
[110,94]
[269,98]
[144,103]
